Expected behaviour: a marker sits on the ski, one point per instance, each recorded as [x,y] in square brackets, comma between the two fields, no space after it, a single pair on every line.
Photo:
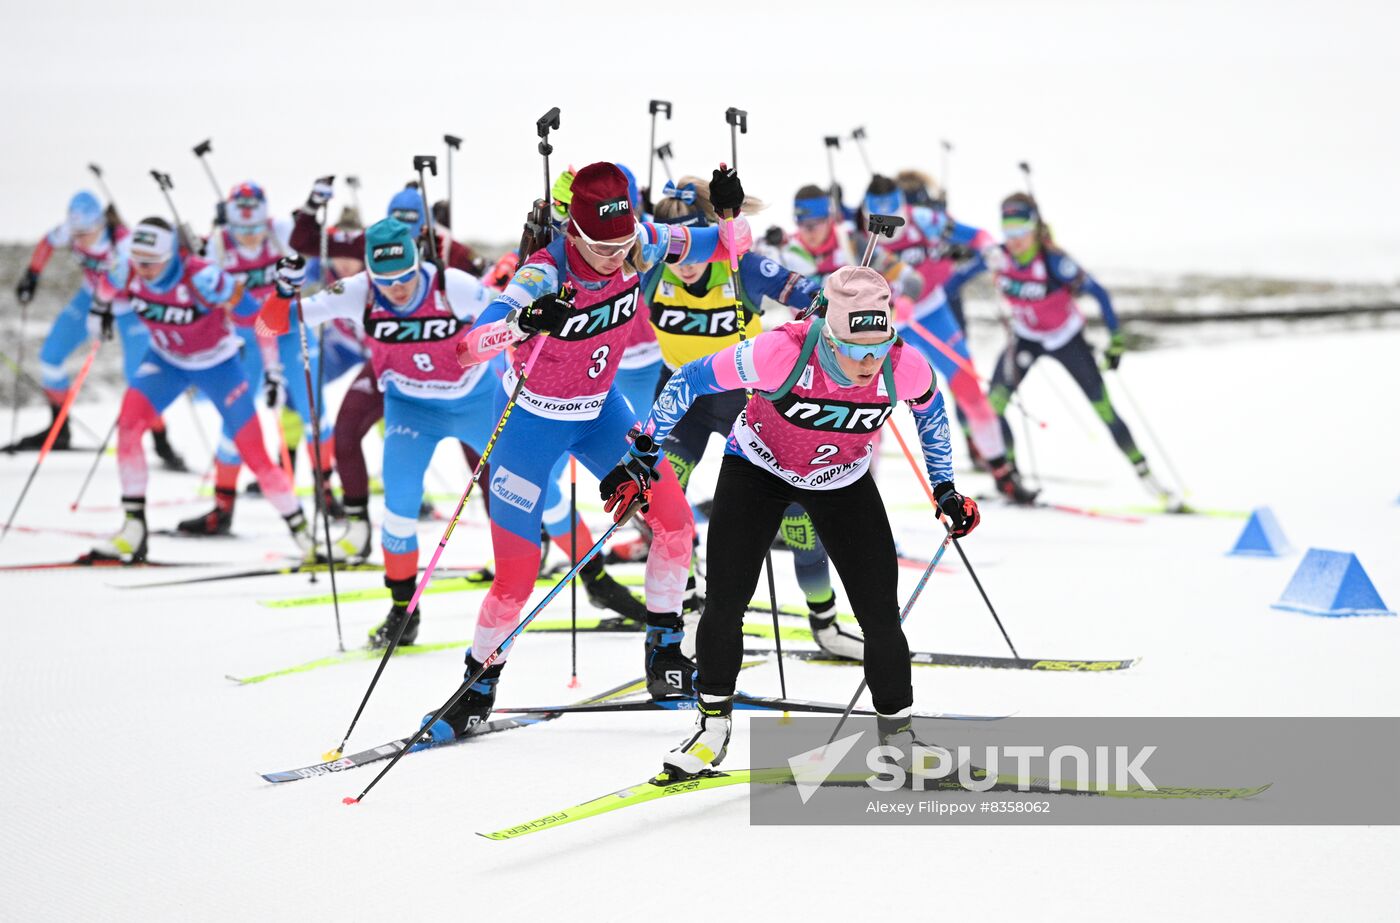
[741,702]
[251,572]
[932,659]
[470,579]
[1089,512]
[83,561]
[664,785]
[392,748]
[351,656]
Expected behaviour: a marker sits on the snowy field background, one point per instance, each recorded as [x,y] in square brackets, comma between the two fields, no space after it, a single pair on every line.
[131,789]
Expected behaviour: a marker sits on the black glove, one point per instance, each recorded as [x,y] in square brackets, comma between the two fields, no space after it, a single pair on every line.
[291,275]
[1114,354]
[220,214]
[25,290]
[321,191]
[99,321]
[774,236]
[632,477]
[274,388]
[961,511]
[545,314]
[726,192]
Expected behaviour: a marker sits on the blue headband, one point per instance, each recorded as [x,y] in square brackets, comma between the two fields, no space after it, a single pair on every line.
[890,203]
[685,194]
[808,209]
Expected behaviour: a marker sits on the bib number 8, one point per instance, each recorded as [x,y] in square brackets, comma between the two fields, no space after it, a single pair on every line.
[600,361]
[423,361]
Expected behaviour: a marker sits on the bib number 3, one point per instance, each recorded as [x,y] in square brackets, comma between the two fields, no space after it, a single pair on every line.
[600,361]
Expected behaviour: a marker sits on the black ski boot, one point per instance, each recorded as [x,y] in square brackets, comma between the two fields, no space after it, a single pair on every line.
[1009,482]
[35,441]
[402,593]
[606,593]
[170,460]
[218,521]
[670,674]
[473,708]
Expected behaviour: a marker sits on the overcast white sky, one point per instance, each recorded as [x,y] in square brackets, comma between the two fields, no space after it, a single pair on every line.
[1213,136]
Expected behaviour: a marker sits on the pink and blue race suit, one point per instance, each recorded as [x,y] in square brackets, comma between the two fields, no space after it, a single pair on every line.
[818,435]
[69,330]
[428,395]
[925,249]
[1046,321]
[256,270]
[568,404]
[187,311]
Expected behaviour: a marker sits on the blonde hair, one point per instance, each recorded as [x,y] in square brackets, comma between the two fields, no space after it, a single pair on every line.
[668,207]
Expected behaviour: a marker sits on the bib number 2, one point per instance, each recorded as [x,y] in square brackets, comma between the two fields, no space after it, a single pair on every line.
[824,453]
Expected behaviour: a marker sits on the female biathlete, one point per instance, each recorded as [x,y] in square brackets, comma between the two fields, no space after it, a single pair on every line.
[1039,281]
[699,309]
[412,325]
[186,304]
[567,403]
[821,387]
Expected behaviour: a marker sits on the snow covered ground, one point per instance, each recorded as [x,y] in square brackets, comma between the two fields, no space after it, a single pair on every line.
[130,786]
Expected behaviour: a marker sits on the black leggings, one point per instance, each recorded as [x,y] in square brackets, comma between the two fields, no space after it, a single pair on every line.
[852,524]
[1077,359]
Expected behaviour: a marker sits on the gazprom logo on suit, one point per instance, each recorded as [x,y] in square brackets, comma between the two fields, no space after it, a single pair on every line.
[514,489]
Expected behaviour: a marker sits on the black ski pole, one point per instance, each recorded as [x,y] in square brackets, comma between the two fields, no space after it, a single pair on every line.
[163,181]
[428,161]
[858,136]
[453,143]
[319,508]
[573,559]
[97,172]
[354,183]
[990,608]
[1025,168]
[653,107]
[738,120]
[101,451]
[947,147]
[833,144]
[19,370]
[663,154]
[201,150]
[499,651]
[543,124]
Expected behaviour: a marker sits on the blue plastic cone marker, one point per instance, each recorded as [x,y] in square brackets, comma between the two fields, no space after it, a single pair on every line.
[1262,537]
[1331,583]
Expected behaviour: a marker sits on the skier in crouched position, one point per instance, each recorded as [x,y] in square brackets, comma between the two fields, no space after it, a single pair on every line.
[822,387]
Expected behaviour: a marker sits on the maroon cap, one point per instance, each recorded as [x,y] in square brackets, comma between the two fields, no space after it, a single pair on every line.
[601,207]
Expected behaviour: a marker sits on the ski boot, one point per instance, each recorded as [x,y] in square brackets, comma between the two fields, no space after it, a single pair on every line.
[218,521]
[631,552]
[830,635]
[670,674]
[402,593]
[1009,484]
[426,511]
[606,593]
[170,459]
[705,748]
[35,441]
[129,545]
[308,544]
[333,507]
[915,757]
[473,708]
[1170,501]
[358,540]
